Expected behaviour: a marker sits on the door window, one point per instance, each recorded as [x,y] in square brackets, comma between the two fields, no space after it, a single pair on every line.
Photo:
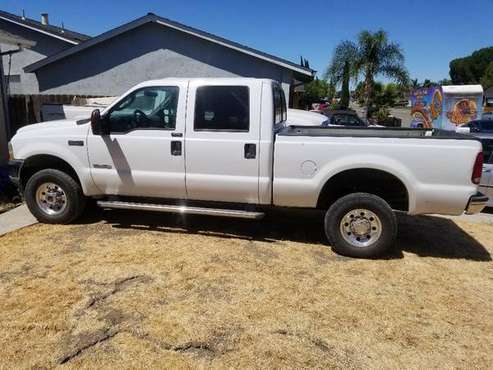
[147,108]
[222,108]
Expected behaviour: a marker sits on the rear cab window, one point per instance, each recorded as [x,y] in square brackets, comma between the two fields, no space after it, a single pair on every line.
[222,108]
[280,109]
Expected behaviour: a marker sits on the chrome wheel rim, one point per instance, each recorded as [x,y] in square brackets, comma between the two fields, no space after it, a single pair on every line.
[51,198]
[361,227]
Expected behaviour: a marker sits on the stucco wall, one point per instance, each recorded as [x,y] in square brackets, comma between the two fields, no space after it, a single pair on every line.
[45,46]
[149,52]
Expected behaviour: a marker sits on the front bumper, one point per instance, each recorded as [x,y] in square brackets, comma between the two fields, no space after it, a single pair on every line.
[15,171]
[476,203]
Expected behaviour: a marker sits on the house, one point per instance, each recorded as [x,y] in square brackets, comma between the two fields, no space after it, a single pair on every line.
[153,47]
[15,44]
[48,40]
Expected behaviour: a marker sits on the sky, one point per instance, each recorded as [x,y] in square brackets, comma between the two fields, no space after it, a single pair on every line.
[430,32]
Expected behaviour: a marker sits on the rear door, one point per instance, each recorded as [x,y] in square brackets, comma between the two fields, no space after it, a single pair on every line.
[222,141]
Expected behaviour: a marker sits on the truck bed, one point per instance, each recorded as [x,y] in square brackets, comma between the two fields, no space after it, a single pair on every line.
[375,132]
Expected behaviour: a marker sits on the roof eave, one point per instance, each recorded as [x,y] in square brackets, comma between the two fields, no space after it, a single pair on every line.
[38,30]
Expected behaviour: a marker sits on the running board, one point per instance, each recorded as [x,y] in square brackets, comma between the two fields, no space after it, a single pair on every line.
[181,209]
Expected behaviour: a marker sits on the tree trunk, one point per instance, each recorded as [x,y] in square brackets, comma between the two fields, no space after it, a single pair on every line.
[345,93]
[368,92]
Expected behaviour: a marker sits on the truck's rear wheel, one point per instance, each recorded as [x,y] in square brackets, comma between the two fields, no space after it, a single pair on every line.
[361,225]
[53,197]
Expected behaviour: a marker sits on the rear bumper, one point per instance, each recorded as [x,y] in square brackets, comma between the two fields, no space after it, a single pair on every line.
[15,171]
[476,203]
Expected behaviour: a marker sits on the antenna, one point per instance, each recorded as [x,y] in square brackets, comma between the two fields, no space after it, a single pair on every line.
[23,15]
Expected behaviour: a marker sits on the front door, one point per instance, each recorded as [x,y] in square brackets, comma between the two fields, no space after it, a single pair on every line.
[222,142]
[143,154]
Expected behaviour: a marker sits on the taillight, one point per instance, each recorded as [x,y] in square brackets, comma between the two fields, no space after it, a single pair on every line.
[478,169]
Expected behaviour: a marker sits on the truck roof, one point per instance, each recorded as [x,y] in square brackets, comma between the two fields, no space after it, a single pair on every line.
[210,80]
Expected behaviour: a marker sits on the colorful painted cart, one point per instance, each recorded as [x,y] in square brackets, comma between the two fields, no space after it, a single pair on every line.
[446,107]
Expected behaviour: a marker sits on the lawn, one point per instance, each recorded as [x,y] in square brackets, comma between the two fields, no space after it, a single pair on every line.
[135,290]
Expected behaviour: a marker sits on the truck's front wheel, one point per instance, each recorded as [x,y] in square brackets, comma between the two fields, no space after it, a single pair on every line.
[54,197]
[361,225]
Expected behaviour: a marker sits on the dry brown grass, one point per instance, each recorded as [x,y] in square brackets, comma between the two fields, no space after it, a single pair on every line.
[148,291]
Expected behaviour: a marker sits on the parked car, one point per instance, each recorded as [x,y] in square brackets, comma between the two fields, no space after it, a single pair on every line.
[486,183]
[305,118]
[487,115]
[481,125]
[221,147]
[344,118]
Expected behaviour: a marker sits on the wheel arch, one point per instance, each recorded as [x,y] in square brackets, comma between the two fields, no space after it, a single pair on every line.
[40,162]
[375,181]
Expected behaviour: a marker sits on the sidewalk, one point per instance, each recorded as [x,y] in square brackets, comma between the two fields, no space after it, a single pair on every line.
[15,219]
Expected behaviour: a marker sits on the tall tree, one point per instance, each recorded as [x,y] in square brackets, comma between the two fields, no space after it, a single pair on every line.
[470,69]
[345,92]
[342,68]
[445,82]
[379,56]
[487,79]
[315,91]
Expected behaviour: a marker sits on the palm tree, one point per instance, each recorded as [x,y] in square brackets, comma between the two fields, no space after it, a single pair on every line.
[342,69]
[379,56]
[373,55]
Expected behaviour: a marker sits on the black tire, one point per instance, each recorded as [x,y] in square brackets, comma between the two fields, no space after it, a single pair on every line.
[385,223]
[74,198]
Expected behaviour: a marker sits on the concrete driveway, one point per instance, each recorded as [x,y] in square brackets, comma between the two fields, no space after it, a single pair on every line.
[15,219]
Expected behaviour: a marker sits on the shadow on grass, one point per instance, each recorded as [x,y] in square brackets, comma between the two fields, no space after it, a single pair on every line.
[425,236]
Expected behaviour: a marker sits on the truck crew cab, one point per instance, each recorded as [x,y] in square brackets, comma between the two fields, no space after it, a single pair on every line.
[221,147]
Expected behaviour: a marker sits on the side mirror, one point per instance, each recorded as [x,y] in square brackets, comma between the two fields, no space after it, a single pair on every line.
[98,125]
[96,122]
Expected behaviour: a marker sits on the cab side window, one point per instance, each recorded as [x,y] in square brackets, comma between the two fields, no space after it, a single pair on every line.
[147,108]
[222,108]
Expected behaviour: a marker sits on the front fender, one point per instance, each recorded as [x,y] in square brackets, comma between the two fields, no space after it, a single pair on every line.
[75,156]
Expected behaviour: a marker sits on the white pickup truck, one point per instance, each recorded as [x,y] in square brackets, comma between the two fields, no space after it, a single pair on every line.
[220,147]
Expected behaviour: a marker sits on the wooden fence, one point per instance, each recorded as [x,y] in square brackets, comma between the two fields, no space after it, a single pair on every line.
[26,109]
